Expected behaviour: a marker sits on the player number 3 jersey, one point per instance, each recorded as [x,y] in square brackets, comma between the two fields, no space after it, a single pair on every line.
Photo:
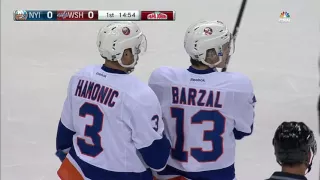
[117,124]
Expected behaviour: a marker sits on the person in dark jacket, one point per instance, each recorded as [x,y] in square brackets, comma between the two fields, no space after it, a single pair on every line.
[294,146]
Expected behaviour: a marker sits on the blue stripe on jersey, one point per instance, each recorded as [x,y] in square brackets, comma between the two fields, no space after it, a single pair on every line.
[64,137]
[196,71]
[61,155]
[110,70]
[156,155]
[239,135]
[96,173]
[254,99]
[227,173]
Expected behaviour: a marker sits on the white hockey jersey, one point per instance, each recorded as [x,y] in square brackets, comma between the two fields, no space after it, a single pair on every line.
[204,113]
[116,126]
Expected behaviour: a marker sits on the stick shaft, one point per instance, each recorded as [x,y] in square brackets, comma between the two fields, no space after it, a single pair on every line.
[236,27]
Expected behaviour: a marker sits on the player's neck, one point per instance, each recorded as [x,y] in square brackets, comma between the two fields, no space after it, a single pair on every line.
[115,65]
[200,67]
[298,170]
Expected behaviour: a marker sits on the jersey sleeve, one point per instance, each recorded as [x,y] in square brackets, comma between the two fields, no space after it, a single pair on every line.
[66,115]
[147,131]
[156,83]
[244,104]
[65,130]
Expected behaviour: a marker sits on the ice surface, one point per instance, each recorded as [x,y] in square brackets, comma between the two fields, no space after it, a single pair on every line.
[38,58]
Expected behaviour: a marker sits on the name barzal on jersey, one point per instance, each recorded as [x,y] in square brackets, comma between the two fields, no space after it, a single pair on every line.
[205,111]
[195,97]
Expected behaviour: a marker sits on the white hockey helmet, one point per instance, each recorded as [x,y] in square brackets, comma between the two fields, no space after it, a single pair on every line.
[205,35]
[116,37]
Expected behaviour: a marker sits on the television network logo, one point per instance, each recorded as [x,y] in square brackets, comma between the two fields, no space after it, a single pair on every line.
[284,17]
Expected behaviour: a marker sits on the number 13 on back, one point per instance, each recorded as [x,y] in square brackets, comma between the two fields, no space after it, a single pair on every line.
[214,135]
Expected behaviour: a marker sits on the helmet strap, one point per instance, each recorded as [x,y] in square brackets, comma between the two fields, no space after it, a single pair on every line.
[279,162]
[310,165]
[309,168]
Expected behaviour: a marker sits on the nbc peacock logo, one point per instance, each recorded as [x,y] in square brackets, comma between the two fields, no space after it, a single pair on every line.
[284,17]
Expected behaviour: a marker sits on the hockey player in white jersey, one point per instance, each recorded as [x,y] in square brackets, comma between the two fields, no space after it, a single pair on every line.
[111,124]
[205,111]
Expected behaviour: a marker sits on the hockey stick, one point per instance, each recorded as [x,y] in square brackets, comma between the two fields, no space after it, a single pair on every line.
[236,29]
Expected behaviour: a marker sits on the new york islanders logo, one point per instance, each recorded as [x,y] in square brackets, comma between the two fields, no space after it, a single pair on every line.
[207,31]
[157,15]
[126,31]
[20,15]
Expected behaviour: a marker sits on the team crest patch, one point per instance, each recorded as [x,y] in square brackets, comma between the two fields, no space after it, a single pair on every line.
[207,31]
[126,31]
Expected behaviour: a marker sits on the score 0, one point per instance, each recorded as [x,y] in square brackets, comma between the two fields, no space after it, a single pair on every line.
[48,15]
[91,15]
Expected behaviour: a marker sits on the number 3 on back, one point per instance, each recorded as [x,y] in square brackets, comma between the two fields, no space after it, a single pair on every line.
[155,119]
[214,136]
[91,131]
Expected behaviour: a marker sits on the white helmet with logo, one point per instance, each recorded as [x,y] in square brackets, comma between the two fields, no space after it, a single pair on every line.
[116,37]
[205,35]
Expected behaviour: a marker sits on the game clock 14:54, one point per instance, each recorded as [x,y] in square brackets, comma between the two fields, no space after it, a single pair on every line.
[129,14]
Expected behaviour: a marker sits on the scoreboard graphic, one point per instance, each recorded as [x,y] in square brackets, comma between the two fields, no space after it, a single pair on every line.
[92,15]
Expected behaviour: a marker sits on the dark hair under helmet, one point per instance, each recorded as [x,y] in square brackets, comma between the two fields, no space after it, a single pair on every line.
[294,143]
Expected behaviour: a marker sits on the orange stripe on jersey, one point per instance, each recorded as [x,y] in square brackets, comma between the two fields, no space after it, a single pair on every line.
[68,172]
